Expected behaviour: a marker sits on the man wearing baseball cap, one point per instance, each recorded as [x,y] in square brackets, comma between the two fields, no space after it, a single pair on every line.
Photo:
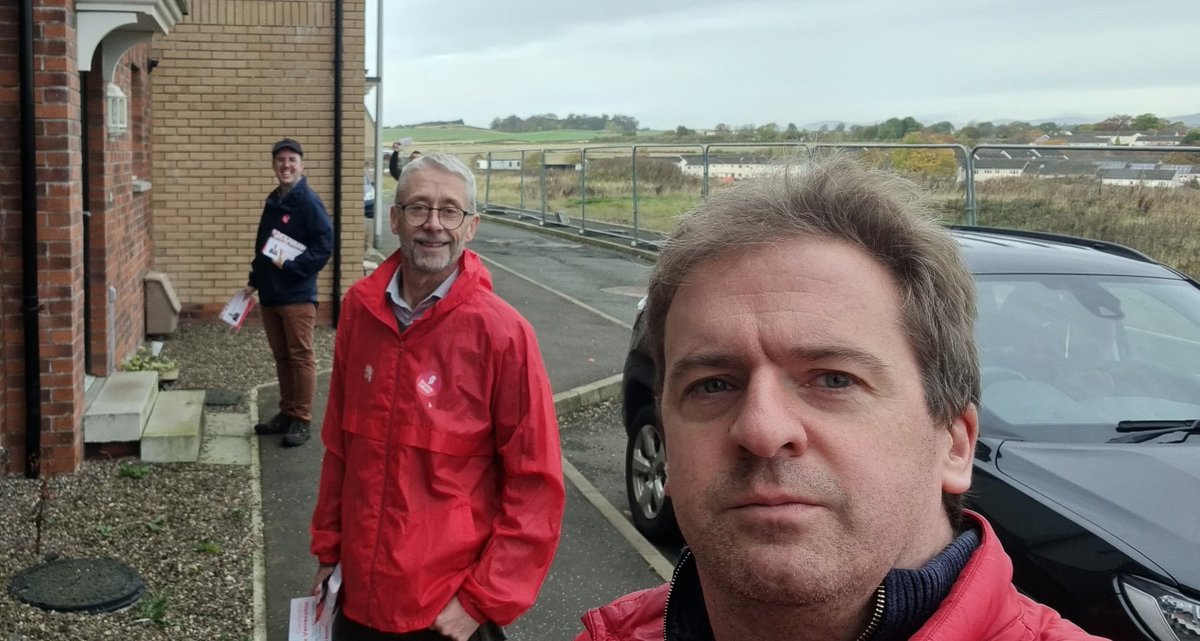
[294,241]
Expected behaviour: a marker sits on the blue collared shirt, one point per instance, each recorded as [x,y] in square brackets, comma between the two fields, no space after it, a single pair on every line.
[405,315]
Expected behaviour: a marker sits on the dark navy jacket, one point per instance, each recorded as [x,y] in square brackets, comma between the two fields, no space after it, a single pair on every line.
[301,215]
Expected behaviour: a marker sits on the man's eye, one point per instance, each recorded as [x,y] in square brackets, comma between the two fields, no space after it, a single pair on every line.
[712,386]
[836,380]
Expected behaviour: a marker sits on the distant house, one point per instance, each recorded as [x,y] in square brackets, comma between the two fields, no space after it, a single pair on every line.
[499,164]
[725,166]
[1139,178]
[1056,169]
[1096,138]
[1017,154]
[1156,140]
[994,168]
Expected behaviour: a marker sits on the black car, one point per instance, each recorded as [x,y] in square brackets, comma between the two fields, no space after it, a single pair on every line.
[1088,462]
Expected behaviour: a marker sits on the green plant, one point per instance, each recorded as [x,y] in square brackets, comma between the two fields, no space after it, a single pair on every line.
[104,531]
[144,361]
[157,523]
[208,547]
[133,470]
[153,607]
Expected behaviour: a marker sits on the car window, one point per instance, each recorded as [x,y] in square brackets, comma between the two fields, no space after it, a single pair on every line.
[1063,350]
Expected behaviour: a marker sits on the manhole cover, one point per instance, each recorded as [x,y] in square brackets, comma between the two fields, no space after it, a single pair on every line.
[78,585]
[221,397]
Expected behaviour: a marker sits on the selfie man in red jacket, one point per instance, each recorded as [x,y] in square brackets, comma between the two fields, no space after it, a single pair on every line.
[441,491]
[817,381]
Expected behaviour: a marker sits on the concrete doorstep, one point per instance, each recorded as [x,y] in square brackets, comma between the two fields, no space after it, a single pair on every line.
[176,425]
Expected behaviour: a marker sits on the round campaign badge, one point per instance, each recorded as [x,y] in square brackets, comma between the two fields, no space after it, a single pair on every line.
[429,383]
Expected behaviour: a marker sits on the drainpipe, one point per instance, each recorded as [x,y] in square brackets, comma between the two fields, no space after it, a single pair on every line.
[29,236]
[339,44]
[85,84]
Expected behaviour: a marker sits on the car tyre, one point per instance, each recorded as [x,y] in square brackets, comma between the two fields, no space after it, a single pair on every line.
[646,477]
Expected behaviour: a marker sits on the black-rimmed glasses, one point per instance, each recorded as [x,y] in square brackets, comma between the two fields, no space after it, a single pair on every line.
[416,215]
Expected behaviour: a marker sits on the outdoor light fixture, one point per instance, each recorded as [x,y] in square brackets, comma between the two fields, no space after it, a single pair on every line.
[116,118]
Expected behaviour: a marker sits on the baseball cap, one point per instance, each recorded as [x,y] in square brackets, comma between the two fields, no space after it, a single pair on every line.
[287,143]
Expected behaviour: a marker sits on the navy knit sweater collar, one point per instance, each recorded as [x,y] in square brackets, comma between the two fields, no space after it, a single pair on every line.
[912,595]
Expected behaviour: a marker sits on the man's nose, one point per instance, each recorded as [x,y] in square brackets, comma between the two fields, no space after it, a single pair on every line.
[770,421]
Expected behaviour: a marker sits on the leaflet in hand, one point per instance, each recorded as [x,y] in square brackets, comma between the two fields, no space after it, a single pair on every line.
[237,309]
[303,625]
[280,244]
[312,616]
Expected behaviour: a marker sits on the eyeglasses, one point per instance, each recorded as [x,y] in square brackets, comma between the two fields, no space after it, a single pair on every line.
[416,215]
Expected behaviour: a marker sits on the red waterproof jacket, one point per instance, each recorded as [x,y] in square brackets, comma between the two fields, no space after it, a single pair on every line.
[982,605]
[442,474]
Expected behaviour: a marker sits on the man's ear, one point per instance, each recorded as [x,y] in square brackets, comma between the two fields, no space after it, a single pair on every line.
[472,224]
[960,456]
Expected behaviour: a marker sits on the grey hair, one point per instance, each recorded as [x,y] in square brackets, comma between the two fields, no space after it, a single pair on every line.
[444,162]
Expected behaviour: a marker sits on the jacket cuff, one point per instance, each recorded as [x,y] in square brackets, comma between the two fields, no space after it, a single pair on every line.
[471,609]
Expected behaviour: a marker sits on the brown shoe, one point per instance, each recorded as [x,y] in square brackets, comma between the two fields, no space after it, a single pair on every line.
[277,425]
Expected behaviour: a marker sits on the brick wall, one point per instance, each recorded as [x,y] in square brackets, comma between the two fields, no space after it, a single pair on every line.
[119,235]
[59,243]
[233,78]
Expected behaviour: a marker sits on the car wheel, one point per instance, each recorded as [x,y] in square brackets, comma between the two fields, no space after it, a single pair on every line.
[646,478]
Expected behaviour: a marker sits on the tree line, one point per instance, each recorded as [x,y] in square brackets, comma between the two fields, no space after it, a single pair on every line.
[551,122]
[911,130]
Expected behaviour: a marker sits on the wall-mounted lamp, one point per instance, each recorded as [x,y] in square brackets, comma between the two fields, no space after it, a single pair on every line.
[116,118]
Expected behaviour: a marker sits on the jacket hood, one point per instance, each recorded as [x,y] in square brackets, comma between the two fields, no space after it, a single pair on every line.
[1138,494]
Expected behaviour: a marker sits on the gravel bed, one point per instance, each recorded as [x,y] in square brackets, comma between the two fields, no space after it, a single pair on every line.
[212,357]
[185,528]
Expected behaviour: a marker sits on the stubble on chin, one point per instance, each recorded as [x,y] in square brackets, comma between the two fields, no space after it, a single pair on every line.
[773,564]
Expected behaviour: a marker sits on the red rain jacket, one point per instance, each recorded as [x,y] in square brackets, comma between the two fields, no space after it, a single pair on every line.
[442,474]
[982,605]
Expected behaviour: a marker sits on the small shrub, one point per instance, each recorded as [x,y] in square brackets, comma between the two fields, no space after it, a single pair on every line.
[153,608]
[157,524]
[142,360]
[104,531]
[208,547]
[133,470]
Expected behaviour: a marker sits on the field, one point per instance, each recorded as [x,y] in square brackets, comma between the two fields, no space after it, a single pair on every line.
[457,134]
[1163,223]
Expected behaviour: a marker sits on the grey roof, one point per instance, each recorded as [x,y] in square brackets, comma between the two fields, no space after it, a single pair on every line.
[1160,138]
[1137,174]
[1060,168]
[1000,163]
[725,159]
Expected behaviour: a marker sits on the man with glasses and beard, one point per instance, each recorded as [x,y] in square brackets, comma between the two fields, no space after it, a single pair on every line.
[441,491]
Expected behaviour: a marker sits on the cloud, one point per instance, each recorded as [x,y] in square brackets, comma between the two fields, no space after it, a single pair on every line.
[701,62]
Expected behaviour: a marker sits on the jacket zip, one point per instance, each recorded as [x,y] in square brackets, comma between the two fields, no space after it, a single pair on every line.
[387,464]
[687,556]
[872,625]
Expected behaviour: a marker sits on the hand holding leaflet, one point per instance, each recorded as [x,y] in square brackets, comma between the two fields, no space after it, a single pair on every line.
[280,244]
[237,309]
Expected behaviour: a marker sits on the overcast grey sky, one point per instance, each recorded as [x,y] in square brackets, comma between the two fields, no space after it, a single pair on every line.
[703,62]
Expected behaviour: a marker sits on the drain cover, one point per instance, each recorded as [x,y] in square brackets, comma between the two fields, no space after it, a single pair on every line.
[78,585]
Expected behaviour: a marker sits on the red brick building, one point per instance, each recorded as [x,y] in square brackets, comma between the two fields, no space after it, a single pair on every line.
[97,144]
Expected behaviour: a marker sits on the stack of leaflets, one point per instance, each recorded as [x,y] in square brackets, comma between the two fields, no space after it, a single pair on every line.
[312,616]
[280,244]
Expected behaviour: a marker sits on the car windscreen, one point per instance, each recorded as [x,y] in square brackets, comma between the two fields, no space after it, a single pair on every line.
[1088,350]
